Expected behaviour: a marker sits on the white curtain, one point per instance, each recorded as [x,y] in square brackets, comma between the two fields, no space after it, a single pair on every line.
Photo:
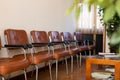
[87,23]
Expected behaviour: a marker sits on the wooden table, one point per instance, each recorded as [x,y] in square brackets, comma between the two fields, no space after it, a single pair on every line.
[102,61]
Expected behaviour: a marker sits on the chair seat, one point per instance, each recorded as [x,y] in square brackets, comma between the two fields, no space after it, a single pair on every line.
[41,57]
[60,53]
[4,59]
[90,47]
[83,48]
[9,65]
[74,50]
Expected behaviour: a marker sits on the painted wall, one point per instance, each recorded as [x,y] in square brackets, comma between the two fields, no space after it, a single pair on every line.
[30,15]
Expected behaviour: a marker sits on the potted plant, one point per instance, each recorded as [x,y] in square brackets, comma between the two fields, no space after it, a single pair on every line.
[111,17]
[112,26]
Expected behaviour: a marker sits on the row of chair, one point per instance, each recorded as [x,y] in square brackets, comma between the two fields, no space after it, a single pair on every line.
[56,46]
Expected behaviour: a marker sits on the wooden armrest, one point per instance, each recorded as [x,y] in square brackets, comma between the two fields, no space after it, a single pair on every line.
[16,46]
[41,44]
[62,42]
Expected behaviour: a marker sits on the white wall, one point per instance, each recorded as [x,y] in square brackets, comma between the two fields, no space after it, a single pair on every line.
[35,15]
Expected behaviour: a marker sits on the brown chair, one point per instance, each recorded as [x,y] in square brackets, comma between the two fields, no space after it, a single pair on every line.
[60,50]
[40,39]
[71,44]
[91,46]
[84,44]
[80,43]
[17,62]
[91,61]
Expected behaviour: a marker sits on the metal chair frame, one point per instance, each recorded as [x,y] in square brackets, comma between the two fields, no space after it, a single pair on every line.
[25,57]
[69,44]
[33,51]
[53,50]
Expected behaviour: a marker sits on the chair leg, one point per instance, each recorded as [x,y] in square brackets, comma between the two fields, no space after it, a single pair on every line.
[2,78]
[80,59]
[56,69]
[89,52]
[36,67]
[94,52]
[77,60]
[85,53]
[66,65]
[8,76]
[50,70]
[71,64]
[32,71]
[25,74]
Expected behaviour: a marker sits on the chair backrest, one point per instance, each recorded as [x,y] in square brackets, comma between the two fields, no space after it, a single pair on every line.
[16,37]
[66,36]
[54,36]
[91,61]
[78,36]
[39,36]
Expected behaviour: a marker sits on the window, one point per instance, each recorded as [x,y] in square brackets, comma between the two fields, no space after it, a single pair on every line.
[89,20]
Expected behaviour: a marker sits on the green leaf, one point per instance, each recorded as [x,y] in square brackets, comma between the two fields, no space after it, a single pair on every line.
[89,3]
[117,6]
[86,1]
[119,49]
[77,13]
[115,39]
[109,13]
[70,9]
[100,1]
[74,4]
[104,3]
[77,2]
